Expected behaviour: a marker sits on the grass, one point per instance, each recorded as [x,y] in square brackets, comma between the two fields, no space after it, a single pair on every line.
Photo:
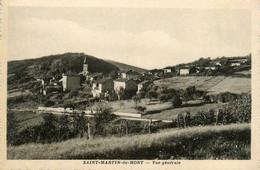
[209,83]
[201,82]
[25,119]
[233,85]
[170,114]
[209,142]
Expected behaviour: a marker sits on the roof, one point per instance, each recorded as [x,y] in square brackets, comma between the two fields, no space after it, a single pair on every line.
[122,80]
[131,72]
[95,74]
[144,82]
[184,68]
[103,80]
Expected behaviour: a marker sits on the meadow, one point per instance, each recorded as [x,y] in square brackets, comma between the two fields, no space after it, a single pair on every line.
[210,84]
[219,142]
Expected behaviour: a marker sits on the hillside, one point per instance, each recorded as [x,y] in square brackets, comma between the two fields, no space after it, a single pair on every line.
[212,84]
[123,66]
[23,71]
[220,142]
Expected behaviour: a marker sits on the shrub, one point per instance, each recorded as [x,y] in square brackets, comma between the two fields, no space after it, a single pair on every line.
[176,101]
[49,103]
[141,108]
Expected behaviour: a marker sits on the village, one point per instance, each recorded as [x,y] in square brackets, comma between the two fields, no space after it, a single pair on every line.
[122,85]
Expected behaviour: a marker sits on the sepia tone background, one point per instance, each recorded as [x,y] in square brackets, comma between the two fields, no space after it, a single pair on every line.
[187,5]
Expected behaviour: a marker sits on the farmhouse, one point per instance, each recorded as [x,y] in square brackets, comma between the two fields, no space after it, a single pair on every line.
[70,82]
[94,76]
[102,86]
[143,85]
[131,74]
[184,71]
[210,67]
[167,70]
[127,84]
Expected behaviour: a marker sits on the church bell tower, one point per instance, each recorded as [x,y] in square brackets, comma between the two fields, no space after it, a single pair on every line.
[85,67]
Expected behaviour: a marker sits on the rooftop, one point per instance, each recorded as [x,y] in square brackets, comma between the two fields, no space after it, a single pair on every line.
[122,80]
[103,80]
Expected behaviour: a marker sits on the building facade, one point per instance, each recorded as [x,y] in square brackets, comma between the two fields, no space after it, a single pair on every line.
[70,82]
[102,87]
[126,84]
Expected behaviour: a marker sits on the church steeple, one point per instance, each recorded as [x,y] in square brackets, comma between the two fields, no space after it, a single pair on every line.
[85,60]
[85,67]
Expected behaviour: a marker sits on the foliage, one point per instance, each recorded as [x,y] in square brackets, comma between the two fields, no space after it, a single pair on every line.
[141,108]
[209,142]
[102,117]
[49,103]
[136,99]
[176,101]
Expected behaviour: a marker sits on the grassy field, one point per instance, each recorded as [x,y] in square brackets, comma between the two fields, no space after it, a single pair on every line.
[221,142]
[171,113]
[129,106]
[232,85]
[209,83]
[26,119]
[201,82]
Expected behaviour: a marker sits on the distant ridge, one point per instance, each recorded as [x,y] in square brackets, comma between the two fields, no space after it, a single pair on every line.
[23,71]
[124,67]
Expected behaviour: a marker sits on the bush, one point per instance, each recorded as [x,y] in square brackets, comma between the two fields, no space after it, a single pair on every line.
[176,101]
[49,103]
[141,108]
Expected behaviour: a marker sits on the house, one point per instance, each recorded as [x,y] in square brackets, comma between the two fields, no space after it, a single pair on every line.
[70,82]
[184,71]
[94,76]
[131,74]
[235,64]
[210,67]
[102,86]
[143,85]
[167,70]
[126,84]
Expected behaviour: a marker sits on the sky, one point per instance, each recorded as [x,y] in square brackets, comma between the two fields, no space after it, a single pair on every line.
[144,37]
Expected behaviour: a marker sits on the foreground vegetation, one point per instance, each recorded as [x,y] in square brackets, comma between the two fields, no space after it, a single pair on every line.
[209,142]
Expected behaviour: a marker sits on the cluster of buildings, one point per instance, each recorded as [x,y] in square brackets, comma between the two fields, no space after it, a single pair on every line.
[127,80]
[213,65]
[100,86]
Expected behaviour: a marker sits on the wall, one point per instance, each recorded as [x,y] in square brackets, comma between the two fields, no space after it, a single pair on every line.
[70,82]
[184,71]
[117,85]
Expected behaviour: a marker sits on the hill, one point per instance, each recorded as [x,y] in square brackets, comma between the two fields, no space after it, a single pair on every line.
[219,142]
[123,66]
[24,71]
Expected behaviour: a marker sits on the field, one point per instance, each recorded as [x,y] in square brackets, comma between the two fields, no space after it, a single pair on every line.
[209,83]
[220,142]
[171,113]
[25,119]
[232,85]
[128,106]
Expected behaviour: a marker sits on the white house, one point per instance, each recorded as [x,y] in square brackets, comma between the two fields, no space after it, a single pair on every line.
[184,71]
[127,84]
[102,86]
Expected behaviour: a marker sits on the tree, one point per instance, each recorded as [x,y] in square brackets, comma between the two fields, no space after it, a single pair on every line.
[11,129]
[49,103]
[121,93]
[102,117]
[176,101]
[136,99]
